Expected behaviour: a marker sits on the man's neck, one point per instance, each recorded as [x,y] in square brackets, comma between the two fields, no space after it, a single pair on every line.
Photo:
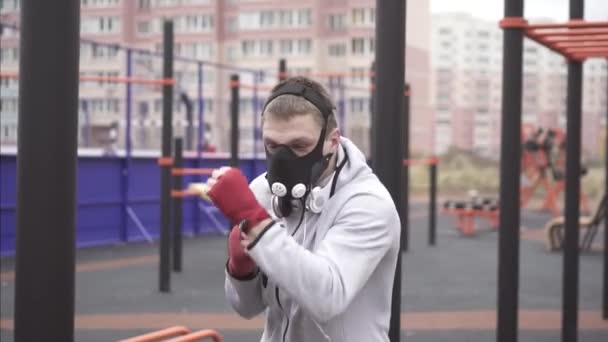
[331,167]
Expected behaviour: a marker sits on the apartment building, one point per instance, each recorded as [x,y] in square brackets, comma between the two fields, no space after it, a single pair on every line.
[467,86]
[332,41]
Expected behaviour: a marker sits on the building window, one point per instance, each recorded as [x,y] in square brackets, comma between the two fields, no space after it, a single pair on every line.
[358,46]
[338,49]
[143,4]
[285,18]
[445,30]
[304,18]
[103,24]
[143,27]
[358,75]
[267,19]
[358,16]
[247,48]
[336,22]
[249,21]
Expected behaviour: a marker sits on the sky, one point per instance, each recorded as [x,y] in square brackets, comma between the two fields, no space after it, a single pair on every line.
[494,9]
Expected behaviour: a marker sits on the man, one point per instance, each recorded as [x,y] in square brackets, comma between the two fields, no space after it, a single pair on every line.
[316,238]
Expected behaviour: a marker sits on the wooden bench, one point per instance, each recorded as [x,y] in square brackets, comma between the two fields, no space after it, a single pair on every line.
[554,229]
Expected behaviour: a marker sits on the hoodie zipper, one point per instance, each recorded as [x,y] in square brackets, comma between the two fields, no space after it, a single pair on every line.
[276,294]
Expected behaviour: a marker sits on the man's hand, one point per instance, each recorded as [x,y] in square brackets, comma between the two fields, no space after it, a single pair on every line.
[230,193]
[253,233]
[240,264]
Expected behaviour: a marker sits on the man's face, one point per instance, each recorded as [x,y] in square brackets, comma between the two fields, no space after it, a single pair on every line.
[300,134]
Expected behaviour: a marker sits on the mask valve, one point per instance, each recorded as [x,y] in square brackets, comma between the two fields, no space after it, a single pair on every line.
[298,190]
[279,189]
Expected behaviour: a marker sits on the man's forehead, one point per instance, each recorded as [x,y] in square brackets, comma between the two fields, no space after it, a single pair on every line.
[289,136]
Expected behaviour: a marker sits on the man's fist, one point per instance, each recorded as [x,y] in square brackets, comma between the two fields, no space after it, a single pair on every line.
[229,190]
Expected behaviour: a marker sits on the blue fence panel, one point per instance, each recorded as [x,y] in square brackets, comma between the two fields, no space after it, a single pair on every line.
[102,213]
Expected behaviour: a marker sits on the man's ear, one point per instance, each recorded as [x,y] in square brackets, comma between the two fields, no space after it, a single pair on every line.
[334,137]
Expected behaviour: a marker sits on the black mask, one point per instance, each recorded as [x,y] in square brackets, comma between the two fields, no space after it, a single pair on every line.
[292,177]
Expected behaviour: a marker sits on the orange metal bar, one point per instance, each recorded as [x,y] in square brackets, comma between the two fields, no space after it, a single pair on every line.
[513,22]
[570,32]
[599,38]
[199,336]
[367,73]
[184,193]
[588,55]
[132,80]
[425,161]
[108,79]
[580,44]
[235,84]
[585,49]
[191,171]
[159,335]
[165,161]
[545,42]
[571,24]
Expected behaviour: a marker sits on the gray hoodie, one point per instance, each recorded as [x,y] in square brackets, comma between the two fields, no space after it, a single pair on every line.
[332,278]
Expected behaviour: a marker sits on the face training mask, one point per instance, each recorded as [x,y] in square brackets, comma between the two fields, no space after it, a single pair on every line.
[291,177]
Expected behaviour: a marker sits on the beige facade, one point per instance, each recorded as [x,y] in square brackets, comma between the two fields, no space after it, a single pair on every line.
[467,80]
[330,40]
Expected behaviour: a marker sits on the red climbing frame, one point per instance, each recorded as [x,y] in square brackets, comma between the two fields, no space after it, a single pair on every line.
[575,39]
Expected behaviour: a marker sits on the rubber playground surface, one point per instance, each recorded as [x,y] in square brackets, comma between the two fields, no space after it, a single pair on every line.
[448,291]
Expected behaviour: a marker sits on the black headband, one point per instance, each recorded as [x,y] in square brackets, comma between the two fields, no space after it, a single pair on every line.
[305,91]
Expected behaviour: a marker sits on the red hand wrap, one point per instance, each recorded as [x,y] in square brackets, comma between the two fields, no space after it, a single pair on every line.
[232,196]
[239,263]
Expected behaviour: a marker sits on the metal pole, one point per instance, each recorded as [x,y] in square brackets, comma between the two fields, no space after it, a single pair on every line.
[177,208]
[199,140]
[433,203]
[605,294]
[124,229]
[510,159]
[572,193]
[234,120]
[165,183]
[405,212]
[189,128]
[48,140]
[341,109]
[282,69]
[387,153]
[372,105]
[255,117]
[87,122]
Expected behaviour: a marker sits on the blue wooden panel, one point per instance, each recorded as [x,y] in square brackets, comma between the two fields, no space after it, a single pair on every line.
[101,187]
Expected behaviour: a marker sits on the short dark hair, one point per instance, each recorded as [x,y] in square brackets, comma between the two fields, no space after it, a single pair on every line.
[288,106]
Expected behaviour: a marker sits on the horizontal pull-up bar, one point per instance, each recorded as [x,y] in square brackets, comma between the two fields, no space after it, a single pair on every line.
[599,49]
[201,335]
[161,335]
[570,24]
[568,32]
[581,44]
[108,79]
[574,39]
[184,193]
[423,161]
[191,171]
